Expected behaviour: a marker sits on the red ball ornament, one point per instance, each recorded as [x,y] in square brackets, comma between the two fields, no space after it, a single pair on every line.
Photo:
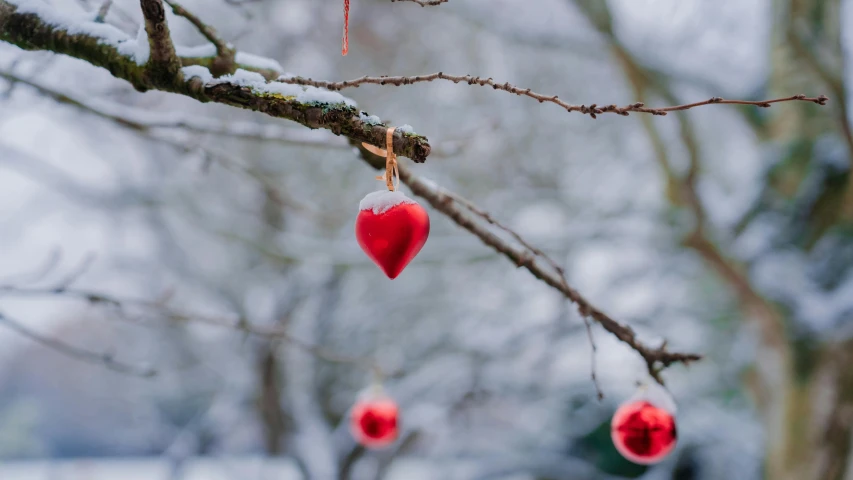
[391,228]
[643,428]
[374,421]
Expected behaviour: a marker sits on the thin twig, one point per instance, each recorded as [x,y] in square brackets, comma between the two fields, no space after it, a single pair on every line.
[102,12]
[243,5]
[276,332]
[591,110]
[39,273]
[687,195]
[592,358]
[424,3]
[163,63]
[454,207]
[223,50]
[132,119]
[104,359]
[656,358]
[551,262]
[72,277]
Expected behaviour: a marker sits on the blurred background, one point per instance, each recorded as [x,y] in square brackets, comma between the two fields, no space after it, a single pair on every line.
[724,230]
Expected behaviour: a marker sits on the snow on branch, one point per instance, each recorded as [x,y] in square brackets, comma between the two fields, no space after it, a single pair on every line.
[145,121]
[591,110]
[33,25]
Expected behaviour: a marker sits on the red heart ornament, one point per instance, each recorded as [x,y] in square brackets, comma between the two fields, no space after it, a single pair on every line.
[391,228]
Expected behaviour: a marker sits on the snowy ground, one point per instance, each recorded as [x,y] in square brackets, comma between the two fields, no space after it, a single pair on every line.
[236,468]
[151,469]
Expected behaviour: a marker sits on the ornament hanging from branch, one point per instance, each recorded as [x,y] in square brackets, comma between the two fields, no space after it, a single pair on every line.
[643,428]
[374,419]
[391,228]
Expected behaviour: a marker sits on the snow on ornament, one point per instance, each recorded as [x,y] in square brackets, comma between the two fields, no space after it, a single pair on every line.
[643,428]
[374,420]
[391,228]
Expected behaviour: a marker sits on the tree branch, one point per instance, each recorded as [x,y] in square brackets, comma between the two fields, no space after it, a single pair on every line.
[423,3]
[224,62]
[222,47]
[551,263]
[273,332]
[146,121]
[103,11]
[591,110]
[163,64]
[33,27]
[683,191]
[104,359]
[454,208]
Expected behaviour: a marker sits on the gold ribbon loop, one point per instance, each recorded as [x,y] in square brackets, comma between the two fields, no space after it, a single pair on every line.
[392,173]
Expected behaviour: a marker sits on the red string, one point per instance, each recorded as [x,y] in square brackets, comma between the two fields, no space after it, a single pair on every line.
[345,46]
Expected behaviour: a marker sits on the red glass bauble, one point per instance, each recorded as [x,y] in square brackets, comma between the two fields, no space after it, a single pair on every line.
[391,229]
[373,422]
[643,430]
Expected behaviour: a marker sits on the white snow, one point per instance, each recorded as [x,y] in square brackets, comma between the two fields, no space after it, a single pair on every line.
[78,23]
[303,94]
[198,51]
[138,50]
[243,78]
[405,129]
[369,119]
[431,184]
[72,22]
[195,468]
[257,61]
[383,200]
[197,71]
[250,60]
[373,393]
